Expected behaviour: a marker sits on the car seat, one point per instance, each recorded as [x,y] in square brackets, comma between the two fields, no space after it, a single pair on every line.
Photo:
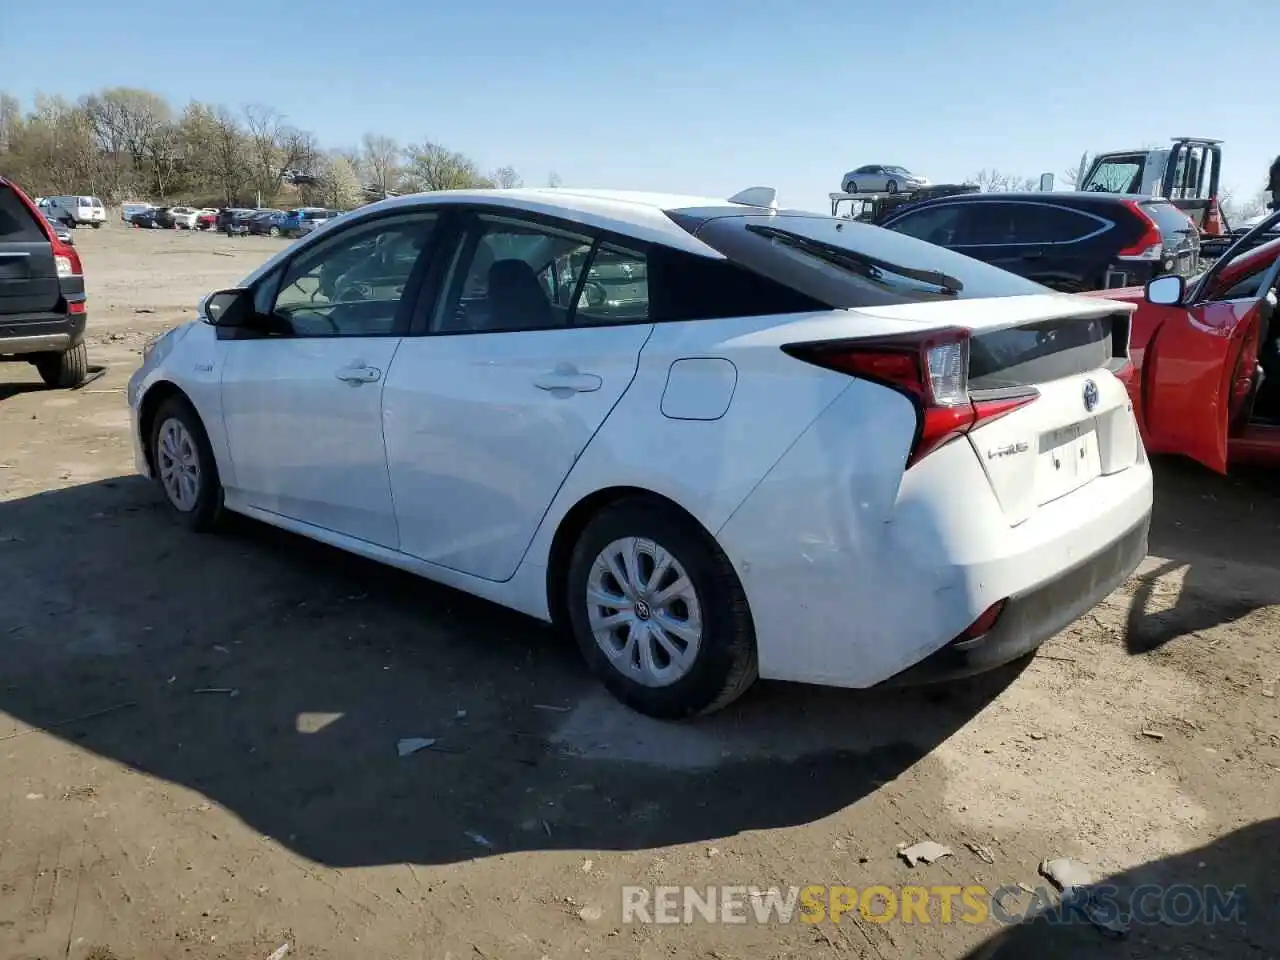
[517,301]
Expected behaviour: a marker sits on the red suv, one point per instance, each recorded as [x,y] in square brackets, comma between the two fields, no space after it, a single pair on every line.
[42,301]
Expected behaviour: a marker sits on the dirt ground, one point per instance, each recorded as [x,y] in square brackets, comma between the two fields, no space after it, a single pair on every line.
[198,734]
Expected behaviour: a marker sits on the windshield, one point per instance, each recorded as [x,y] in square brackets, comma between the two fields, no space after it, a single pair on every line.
[902,170]
[1121,174]
[843,263]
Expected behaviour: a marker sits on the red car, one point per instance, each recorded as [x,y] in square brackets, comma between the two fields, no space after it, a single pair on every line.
[1208,357]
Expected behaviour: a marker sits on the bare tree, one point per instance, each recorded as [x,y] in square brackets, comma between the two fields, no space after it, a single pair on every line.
[993,181]
[125,122]
[553,179]
[506,178]
[381,158]
[274,149]
[433,166]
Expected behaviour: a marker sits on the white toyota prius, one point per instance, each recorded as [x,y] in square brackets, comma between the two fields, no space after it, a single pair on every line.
[714,439]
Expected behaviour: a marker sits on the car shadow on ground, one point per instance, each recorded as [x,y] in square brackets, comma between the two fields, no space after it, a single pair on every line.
[277,677]
[1204,524]
[1220,900]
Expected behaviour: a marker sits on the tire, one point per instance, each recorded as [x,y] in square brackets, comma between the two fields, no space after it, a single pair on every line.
[196,495]
[69,223]
[851,187]
[274,232]
[64,370]
[891,186]
[723,664]
[97,225]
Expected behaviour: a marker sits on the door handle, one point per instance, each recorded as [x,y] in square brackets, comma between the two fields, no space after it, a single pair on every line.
[358,375]
[568,382]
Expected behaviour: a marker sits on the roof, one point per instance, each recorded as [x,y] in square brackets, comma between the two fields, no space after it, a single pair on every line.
[633,213]
[1044,196]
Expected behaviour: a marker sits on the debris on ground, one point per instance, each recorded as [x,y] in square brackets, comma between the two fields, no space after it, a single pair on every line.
[1073,880]
[983,853]
[587,865]
[1035,735]
[1153,734]
[279,952]
[590,914]
[927,851]
[410,745]
[1065,873]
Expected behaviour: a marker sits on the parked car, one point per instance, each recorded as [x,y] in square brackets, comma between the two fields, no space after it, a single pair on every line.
[754,405]
[879,178]
[300,222]
[42,299]
[184,218]
[163,218]
[61,232]
[266,223]
[207,219]
[76,211]
[1208,354]
[1067,241]
[145,218]
[132,207]
[235,221]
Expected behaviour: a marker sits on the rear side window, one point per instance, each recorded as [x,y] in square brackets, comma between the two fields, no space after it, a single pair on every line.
[684,286]
[997,223]
[16,222]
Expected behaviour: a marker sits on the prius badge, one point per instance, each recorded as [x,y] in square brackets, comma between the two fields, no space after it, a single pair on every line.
[1090,396]
[996,453]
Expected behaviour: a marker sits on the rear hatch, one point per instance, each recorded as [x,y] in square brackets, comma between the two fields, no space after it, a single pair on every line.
[1180,236]
[1041,406]
[1079,427]
[28,271]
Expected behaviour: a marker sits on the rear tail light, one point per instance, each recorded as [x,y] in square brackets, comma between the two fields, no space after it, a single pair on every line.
[66,259]
[931,370]
[983,625]
[1150,245]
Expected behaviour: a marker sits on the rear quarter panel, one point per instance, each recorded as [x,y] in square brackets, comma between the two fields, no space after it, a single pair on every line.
[708,467]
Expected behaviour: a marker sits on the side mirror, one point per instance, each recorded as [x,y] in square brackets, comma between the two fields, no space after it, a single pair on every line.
[1166,291]
[229,308]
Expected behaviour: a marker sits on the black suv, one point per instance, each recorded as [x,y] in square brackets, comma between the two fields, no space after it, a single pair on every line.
[1068,241]
[42,302]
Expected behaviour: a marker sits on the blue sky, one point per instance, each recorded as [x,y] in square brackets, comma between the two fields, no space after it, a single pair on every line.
[698,96]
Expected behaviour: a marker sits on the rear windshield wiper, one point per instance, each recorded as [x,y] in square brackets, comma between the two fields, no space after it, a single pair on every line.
[863,264]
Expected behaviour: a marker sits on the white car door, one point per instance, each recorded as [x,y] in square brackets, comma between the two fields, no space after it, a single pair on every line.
[303,404]
[487,412]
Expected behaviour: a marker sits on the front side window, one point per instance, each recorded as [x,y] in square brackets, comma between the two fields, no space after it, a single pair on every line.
[511,274]
[351,284]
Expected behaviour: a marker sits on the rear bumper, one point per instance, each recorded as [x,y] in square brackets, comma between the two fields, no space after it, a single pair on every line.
[40,333]
[1029,620]
[855,572]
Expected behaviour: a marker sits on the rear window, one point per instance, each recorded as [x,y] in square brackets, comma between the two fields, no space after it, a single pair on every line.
[1046,351]
[842,263]
[16,222]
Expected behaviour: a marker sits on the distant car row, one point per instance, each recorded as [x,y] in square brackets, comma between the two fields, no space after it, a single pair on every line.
[233,221]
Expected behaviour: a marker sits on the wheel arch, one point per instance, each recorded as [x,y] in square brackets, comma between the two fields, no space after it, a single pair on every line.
[149,406]
[575,521]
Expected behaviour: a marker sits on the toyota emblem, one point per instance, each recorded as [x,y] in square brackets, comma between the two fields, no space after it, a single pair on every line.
[1090,395]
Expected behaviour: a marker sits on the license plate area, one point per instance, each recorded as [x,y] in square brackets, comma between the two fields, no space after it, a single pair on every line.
[1068,459]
